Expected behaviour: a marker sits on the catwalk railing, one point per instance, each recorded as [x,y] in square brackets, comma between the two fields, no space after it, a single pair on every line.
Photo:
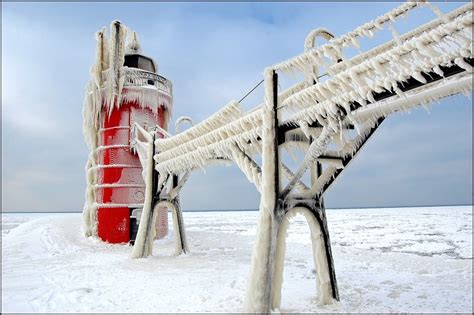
[328,120]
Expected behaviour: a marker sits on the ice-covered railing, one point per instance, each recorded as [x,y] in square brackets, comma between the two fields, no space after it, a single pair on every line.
[222,117]
[148,89]
[198,151]
[328,119]
[139,77]
[382,68]
[440,43]
[334,48]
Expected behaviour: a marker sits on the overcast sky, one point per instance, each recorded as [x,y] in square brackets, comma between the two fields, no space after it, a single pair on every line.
[212,53]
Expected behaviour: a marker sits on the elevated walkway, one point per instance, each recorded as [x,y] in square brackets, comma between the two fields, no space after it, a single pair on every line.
[328,117]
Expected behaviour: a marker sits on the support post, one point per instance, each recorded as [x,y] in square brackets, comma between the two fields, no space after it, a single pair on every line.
[322,262]
[178,223]
[170,199]
[259,286]
[143,246]
[320,214]
[314,212]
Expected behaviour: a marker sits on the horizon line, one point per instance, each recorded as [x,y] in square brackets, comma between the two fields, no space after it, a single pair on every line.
[256,209]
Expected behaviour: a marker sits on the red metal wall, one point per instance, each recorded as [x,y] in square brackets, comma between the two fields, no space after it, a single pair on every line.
[120,182]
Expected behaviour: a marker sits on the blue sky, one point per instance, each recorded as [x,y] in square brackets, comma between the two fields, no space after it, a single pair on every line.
[213,52]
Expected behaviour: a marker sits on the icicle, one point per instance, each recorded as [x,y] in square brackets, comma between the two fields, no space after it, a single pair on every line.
[116,60]
[227,114]
[438,71]
[418,76]
[305,128]
[463,64]
[341,133]
[101,58]
[370,97]
[423,95]
[397,90]
[426,107]
[133,45]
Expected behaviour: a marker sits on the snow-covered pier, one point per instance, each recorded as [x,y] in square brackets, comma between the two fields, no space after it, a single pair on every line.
[329,114]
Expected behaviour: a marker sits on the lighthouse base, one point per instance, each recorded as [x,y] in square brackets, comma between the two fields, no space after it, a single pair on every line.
[113,224]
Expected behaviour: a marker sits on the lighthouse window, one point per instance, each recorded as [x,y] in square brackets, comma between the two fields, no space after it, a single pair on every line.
[140,62]
[145,64]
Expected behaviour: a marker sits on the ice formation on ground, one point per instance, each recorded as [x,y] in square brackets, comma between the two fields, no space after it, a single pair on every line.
[385,263]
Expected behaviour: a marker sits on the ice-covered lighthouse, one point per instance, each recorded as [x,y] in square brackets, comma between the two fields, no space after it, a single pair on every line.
[124,89]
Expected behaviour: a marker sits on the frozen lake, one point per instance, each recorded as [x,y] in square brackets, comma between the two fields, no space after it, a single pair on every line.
[387,260]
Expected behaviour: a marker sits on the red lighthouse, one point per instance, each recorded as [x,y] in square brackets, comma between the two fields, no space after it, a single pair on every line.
[125,89]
